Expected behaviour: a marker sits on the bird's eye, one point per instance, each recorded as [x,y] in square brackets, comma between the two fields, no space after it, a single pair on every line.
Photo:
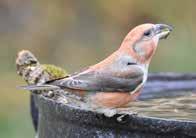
[147,33]
[131,63]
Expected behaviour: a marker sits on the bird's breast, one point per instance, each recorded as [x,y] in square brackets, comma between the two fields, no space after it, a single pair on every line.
[113,99]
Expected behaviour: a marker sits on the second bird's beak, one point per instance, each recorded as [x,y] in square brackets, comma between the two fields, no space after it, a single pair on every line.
[162,30]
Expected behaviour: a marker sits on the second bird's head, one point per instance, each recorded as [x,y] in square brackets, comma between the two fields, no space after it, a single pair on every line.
[141,42]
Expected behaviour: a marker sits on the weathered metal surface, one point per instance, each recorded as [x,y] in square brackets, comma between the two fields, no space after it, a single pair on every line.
[59,120]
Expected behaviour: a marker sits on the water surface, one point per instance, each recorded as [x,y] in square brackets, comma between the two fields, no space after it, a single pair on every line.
[177,107]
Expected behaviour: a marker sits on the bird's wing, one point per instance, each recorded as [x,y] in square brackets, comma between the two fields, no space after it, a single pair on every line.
[92,80]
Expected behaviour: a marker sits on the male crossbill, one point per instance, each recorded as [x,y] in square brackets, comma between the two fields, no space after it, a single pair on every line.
[118,79]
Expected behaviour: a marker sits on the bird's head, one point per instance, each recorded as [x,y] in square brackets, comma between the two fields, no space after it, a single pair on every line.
[141,42]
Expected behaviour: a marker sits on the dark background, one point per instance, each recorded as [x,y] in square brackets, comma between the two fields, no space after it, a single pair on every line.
[74,34]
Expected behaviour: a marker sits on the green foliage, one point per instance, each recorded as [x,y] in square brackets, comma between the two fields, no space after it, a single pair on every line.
[54,71]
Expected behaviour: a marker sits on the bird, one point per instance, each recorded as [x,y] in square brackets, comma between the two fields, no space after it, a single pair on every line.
[117,80]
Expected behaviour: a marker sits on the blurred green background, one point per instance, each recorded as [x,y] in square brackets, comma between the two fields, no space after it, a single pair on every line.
[74,34]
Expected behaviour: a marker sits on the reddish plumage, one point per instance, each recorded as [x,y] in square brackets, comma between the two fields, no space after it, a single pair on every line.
[118,79]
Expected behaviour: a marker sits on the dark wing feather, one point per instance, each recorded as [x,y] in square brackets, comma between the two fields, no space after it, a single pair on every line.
[99,81]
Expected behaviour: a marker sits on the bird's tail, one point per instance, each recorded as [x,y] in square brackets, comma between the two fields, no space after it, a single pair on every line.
[39,87]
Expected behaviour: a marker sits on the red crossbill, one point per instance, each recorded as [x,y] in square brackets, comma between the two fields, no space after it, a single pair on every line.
[118,79]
